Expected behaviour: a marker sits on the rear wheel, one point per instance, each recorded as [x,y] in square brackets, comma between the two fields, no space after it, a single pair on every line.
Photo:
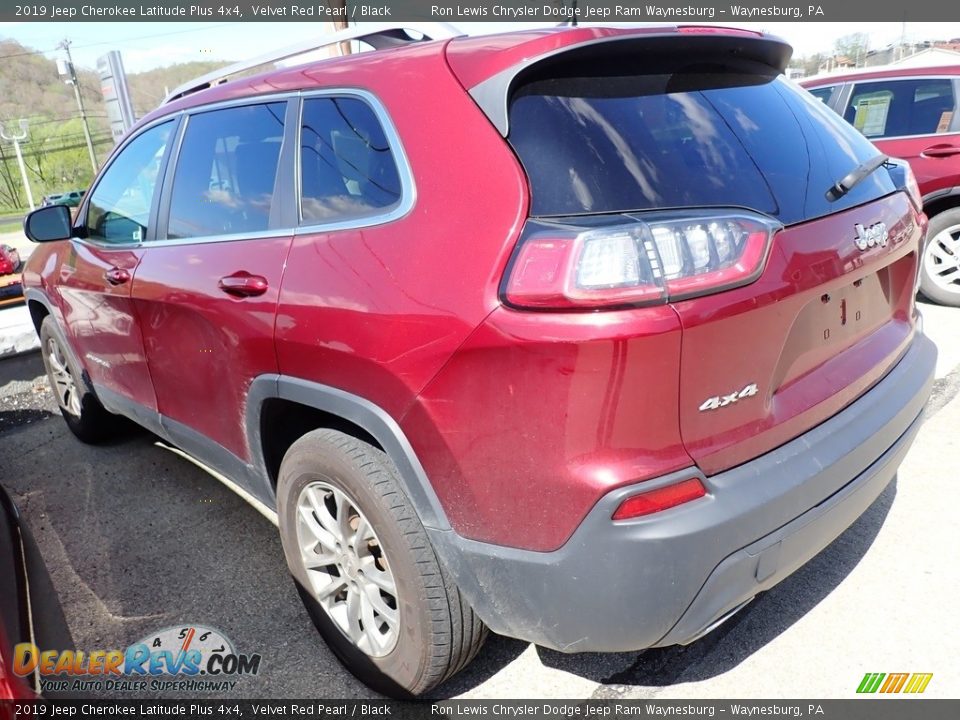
[366,570]
[940,265]
[83,413]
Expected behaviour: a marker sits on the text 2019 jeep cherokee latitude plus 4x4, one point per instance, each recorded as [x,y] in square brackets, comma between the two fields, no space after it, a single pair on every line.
[583,335]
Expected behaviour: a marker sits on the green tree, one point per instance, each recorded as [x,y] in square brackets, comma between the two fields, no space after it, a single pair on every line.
[854,46]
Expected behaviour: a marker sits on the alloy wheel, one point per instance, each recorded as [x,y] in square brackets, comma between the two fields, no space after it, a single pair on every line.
[64,385]
[942,259]
[349,573]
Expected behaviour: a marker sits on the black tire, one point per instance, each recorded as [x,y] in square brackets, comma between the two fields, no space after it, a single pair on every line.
[928,286]
[439,633]
[88,420]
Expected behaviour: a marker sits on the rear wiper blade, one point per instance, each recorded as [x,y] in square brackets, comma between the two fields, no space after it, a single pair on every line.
[850,181]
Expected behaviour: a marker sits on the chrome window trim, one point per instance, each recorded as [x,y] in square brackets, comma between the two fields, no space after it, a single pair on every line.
[267,234]
[408,188]
[264,99]
[877,138]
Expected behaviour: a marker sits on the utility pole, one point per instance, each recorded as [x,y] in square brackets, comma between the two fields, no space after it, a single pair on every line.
[67,70]
[16,148]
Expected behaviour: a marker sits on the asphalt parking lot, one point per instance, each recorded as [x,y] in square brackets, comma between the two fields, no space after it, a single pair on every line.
[138,539]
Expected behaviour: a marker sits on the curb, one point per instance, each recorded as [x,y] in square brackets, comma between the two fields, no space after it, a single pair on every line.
[17,334]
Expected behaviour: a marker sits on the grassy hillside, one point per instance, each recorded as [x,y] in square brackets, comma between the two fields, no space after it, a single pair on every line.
[55,152]
[147,89]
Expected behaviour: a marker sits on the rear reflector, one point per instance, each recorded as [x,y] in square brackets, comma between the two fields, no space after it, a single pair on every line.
[660,499]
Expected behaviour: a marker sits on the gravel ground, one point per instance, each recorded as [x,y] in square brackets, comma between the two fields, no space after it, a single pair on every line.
[25,395]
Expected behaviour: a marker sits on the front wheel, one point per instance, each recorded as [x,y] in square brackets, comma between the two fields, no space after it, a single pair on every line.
[83,413]
[366,570]
[940,264]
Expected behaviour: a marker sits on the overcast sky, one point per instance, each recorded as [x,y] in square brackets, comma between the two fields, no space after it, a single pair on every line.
[148,45]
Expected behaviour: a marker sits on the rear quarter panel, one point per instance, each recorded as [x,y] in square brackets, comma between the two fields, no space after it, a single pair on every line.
[377,311]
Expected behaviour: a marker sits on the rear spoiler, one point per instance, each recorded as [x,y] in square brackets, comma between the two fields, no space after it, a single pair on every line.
[493,94]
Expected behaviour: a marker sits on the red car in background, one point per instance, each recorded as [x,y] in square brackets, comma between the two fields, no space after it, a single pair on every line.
[11,289]
[913,114]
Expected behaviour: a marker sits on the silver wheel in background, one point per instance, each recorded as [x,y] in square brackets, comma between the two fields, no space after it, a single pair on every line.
[349,574]
[942,260]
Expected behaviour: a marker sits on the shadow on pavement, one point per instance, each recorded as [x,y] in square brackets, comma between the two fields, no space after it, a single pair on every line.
[21,368]
[138,539]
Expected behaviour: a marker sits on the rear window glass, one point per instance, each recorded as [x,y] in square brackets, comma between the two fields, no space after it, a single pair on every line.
[685,139]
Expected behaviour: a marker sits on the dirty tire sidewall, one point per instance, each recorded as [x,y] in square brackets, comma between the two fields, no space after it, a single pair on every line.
[317,457]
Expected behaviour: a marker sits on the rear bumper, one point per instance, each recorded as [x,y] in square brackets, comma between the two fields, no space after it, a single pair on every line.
[669,578]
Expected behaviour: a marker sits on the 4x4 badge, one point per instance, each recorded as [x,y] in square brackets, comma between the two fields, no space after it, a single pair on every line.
[720,401]
[875,235]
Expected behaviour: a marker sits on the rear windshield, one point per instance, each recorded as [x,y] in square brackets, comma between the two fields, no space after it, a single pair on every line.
[685,139]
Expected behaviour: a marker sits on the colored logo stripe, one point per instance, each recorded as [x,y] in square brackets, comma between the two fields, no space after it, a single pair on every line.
[894,682]
[870,682]
[914,683]
[918,683]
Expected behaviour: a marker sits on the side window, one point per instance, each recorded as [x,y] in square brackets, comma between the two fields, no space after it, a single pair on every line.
[823,93]
[226,171]
[119,207]
[347,168]
[896,108]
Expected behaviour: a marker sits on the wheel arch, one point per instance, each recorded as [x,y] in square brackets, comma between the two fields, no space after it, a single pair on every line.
[39,306]
[941,200]
[281,409]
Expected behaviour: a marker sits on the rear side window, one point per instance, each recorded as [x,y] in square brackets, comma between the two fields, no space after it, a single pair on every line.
[896,108]
[823,94]
[699,138]
[226,172]
[348,170]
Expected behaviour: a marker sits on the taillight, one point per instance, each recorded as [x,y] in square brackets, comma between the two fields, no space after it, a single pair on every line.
[913,190]
[560,265]
[660,499]
[902,175]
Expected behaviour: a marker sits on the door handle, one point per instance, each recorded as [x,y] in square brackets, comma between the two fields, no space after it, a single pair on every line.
[117,276]
[941,150]
[243,284]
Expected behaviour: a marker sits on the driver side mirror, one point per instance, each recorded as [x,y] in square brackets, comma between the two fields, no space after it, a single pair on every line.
[48,224]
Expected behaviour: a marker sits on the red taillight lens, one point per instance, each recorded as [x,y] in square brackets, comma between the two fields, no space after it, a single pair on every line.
[913,190]
[660,499]
[560,266]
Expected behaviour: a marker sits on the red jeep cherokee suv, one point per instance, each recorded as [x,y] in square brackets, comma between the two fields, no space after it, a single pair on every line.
[914,114]
[584,335]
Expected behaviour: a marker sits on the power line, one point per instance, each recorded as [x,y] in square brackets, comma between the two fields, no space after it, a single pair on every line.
[115,42]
